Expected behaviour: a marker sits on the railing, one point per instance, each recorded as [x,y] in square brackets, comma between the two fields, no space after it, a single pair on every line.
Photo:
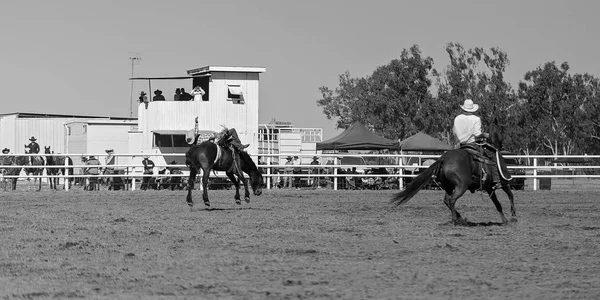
[539,169]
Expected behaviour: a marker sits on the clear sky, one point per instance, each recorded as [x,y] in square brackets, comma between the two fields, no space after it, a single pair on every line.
[72,57]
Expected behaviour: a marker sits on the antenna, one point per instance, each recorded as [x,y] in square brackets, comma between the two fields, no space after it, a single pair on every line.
[134,57]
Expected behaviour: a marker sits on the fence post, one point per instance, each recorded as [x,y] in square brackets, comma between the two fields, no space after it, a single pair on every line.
[335,179]
[66,173]
[132,178]
[401,173]
[268,178]
[535,179]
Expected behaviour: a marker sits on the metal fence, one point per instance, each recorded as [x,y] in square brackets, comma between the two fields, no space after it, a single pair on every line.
[332,173]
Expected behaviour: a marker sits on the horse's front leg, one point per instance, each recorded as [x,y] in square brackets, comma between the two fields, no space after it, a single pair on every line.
[492,194]
[246,190]
[191,179]
[237,187]
[511,198]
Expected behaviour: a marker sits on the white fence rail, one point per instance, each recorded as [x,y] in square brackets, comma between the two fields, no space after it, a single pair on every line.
[333,172]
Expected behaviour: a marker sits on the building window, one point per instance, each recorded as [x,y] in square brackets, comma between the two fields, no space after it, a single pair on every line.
[68,130]
[235,94]
[169,140]
[84,129]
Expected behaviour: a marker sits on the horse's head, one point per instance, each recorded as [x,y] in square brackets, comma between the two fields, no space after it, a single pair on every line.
[47,150]
[256,181]
[256,178]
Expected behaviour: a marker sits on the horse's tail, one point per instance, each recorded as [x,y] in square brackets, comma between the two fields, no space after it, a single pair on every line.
[417,184]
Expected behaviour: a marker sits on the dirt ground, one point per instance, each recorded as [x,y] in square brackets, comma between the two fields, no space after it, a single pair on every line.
[300,244]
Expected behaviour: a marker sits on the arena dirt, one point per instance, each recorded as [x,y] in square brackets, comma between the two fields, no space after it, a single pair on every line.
[300,244]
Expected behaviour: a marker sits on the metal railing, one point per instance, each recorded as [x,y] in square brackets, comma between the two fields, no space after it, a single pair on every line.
[539,167]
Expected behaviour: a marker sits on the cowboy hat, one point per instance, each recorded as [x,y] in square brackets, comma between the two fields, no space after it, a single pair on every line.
[5,150]
[142,93]
[289,157]
[33,139]
[315,158]
[469,106]
[157,92]
[109,150]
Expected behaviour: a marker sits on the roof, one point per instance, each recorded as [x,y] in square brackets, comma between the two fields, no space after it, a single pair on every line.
[209,69]
[423,142]
[357,137]
[105,122]
[44,115]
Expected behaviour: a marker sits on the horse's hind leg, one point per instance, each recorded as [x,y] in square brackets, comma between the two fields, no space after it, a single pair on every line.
[450,201]
[237,187]
[205,175]
[193,172]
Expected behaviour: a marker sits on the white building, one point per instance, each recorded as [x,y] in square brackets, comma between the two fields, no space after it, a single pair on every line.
[49,130]
[231,99]
[283,138]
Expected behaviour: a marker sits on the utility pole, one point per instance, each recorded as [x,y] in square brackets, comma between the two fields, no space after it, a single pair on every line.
[133,58]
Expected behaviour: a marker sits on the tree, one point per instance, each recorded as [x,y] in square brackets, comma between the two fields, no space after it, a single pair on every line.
[555,110]
[479,75]
[392,101]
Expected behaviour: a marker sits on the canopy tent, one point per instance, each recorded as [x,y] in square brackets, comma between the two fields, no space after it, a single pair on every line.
[423,142]
[357,137]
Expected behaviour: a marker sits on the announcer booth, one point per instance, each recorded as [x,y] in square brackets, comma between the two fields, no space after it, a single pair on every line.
[231,99]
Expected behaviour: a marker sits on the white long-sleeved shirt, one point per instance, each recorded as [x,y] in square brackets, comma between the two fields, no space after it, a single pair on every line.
[467,127]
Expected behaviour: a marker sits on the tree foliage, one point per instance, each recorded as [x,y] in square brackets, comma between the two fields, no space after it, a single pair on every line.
[552,112]
[390,101]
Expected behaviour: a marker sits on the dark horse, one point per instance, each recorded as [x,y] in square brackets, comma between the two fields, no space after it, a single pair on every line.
[55,161]
[16,163]
[206,157]
[456,172]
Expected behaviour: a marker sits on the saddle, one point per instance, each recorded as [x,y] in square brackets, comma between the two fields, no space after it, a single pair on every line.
[480,154]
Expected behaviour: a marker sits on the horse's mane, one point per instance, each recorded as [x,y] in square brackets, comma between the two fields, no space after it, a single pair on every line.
[247,159]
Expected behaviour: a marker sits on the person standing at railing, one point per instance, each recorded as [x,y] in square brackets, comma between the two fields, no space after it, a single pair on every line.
[109,161]
[288,171]
[315,170]
[93,169]
[148,170]
[297,171]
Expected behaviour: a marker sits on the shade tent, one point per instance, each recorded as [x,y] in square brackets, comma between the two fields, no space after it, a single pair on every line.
[357,137]
[423,142]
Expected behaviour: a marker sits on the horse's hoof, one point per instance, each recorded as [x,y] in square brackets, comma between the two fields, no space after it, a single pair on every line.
[513,220]
[238,201]
[247,199]
[206,203]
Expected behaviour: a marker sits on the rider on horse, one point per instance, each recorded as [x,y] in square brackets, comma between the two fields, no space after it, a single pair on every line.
[228,138]
[467,128]
[33,146]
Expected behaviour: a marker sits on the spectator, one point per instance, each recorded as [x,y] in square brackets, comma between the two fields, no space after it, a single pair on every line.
[6,160]
[296,171]
[198,93]
[288,171]
[109,161]
[185,96]
[148,170]
[158,96]
[93,170]
[177,96]
[176,181]
[143,98]
[315,180]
